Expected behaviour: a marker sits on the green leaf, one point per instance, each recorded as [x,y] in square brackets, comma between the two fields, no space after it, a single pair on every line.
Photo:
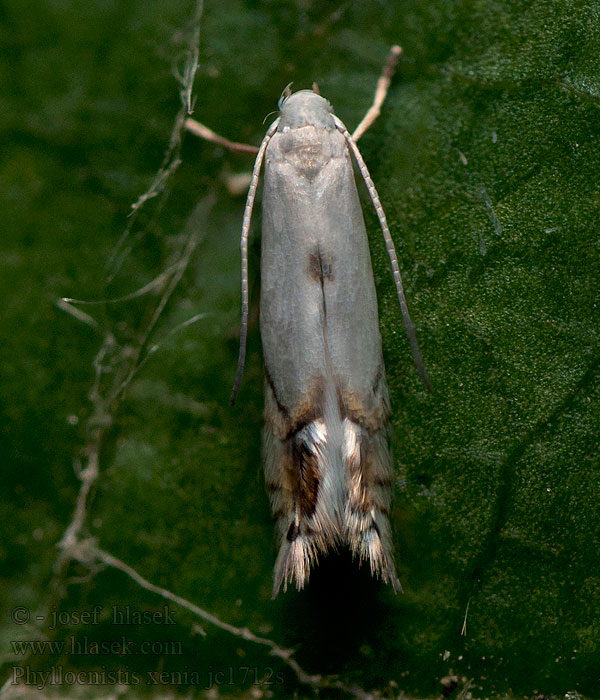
[486,160]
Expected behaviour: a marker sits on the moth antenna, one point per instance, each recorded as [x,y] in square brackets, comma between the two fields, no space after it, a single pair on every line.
[244,246]
[315,89]
[389,244]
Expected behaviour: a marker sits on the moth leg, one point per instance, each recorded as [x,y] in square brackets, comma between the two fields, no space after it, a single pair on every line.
[380,93]
[207,134]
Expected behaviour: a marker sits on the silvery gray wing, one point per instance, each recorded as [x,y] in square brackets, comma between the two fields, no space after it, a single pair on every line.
[326,439]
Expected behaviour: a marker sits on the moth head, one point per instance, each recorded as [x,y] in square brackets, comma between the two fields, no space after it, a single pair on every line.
[304,108]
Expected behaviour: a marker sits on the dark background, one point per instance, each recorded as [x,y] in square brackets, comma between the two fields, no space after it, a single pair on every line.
[486,159]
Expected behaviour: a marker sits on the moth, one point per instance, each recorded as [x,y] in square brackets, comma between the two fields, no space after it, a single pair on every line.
[327,461]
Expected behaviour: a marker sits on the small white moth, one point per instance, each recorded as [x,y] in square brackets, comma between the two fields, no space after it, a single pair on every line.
[327,461]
